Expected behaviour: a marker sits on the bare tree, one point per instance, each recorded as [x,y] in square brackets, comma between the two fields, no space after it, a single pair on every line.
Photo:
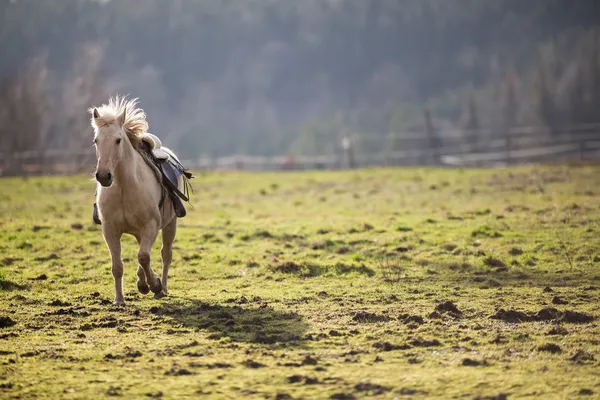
[25,116]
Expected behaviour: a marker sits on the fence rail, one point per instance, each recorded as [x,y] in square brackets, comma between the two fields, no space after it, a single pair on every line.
[450,147]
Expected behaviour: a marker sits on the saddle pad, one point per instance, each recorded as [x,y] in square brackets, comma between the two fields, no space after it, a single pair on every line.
[155,146]
[161,154]
[152,140]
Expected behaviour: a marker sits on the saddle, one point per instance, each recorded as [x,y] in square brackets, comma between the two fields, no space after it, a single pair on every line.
[169,166]
[171,170]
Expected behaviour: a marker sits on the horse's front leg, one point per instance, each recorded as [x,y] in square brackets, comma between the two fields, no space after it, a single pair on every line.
[113,241]
[142,286]
[146,240]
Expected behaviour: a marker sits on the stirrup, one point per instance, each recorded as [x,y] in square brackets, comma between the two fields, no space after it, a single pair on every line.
[180,211]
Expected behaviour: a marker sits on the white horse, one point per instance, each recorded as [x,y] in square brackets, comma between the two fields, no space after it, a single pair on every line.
[130,196]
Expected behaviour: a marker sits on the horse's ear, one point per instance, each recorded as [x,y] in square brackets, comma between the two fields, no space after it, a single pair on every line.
[121,118]
[95,113]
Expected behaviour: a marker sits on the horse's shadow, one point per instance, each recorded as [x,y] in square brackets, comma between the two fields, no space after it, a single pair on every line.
[241,323]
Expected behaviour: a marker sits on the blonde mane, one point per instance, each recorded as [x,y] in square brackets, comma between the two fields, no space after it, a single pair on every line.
[134,125]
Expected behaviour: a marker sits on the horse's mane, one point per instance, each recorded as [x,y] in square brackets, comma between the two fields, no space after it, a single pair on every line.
[134,125]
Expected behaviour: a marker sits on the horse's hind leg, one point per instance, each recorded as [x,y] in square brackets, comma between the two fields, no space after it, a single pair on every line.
[168,237]
[146,241]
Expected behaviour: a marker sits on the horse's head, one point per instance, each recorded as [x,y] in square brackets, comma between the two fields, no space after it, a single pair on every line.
[118,129]
[110,140]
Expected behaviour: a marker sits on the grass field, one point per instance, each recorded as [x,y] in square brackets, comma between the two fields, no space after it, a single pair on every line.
[383,283]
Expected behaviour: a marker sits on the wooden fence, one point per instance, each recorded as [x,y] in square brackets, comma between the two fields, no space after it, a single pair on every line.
[450,147]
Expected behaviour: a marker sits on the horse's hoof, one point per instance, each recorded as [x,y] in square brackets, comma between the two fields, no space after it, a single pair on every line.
[160,295]
[158,288]
[143,287]
[119,303]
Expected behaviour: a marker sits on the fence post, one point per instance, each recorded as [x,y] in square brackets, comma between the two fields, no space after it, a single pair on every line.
[432,138]
[348,150]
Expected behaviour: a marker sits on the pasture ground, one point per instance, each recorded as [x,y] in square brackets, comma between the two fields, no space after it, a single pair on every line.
[382,283]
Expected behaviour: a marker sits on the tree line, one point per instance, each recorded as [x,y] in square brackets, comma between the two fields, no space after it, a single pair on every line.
[266,77]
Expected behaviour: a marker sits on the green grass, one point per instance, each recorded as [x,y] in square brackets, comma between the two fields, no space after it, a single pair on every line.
[383,283]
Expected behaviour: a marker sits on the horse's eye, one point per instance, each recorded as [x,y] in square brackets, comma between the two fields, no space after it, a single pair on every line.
[95,141]
[118,140]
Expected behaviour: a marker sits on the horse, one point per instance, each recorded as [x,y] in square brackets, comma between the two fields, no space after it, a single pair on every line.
[130,193]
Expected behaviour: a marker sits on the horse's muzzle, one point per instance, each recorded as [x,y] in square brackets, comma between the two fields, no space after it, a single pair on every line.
[105,179]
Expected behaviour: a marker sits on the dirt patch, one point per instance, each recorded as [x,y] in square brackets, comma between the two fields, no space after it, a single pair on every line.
[576,317]
[515,251]
[449,246]
[342,396]
[411,391]
[9,285]
[176,371]
[486,231]
[387,346]
[558,300]
[130,354]
[371,388]
[308,270]
[308,360]
[6,322]
[324,244]
[49,257]
[557,331]
[511,316]
[343,269]
[307,380]
[68,311]
[581,357]
[550,348]
[7,261]
[59,303]
[408,319]
[253,364]
[367,317]
[500,396]
[114,391]
[425,343]
[469,362]
[545,314]
[217,365]
[447,306]
[494,262]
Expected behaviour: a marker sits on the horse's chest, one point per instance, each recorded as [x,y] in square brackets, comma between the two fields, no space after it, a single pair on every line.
[129,215]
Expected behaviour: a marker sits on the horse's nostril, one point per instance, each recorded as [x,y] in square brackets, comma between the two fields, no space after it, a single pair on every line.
[97,177]
[109,176]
